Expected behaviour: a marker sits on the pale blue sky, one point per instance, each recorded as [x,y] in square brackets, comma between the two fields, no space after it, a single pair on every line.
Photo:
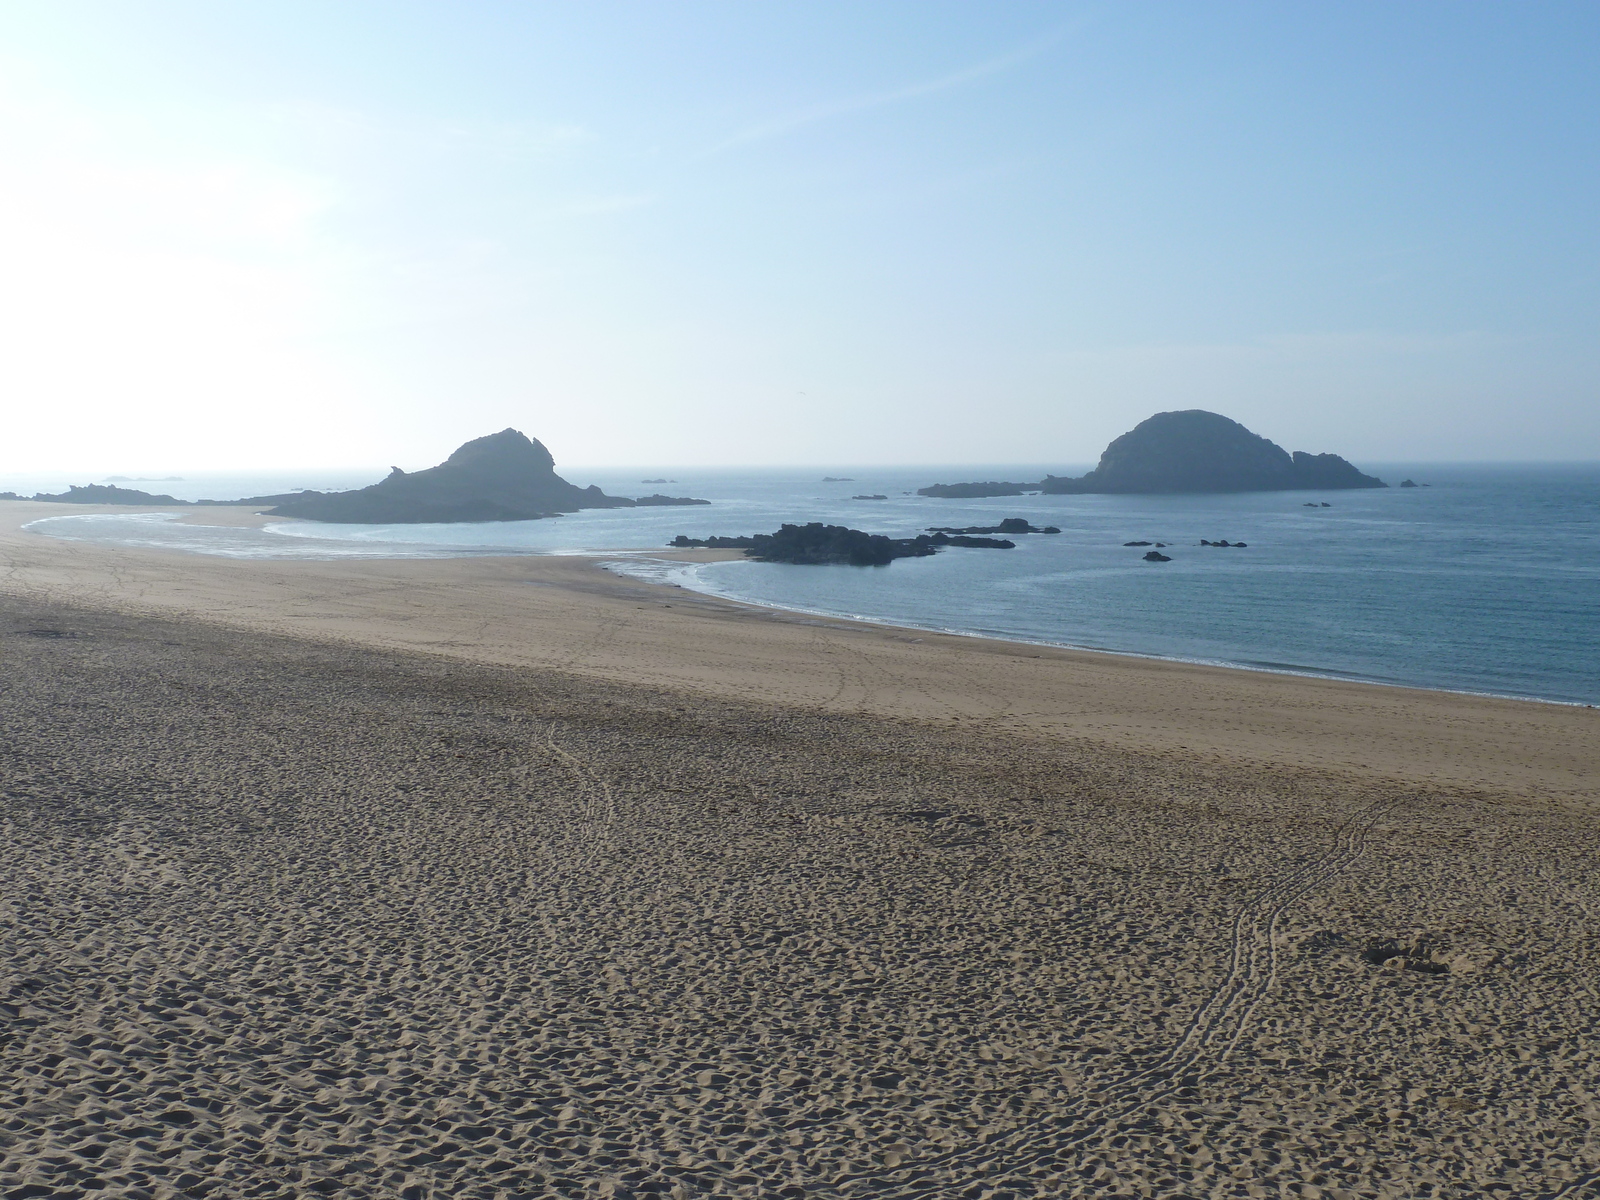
[299,234]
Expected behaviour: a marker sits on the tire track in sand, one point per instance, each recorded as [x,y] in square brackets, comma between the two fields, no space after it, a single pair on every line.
[596,804]
[1213,1032]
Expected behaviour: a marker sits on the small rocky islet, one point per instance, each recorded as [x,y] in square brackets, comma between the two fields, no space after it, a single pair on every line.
[817,544]
[1009,525]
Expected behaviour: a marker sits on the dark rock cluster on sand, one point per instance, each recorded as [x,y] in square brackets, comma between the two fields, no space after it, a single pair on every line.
[817,544]
[1188,451]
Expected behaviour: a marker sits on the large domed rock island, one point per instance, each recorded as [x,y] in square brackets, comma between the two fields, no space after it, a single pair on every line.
[1188,451]
[506,476]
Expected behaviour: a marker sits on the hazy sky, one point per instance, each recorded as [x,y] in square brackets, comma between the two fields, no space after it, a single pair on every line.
[238,234]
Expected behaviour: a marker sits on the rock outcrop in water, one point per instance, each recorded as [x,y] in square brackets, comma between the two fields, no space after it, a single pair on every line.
[1188,451]
[660,501]
[506,476]
[972,491]
[817,544]
[1009,525]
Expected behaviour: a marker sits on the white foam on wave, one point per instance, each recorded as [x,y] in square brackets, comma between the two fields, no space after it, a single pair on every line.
[694,577]
[166,531]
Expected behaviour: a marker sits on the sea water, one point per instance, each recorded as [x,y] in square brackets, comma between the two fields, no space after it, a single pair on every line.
[1487,580]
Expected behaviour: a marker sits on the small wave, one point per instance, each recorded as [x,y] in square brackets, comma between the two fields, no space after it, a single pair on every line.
[165,531]
[693,577]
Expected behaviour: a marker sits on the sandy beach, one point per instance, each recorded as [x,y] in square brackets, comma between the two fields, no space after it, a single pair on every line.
[513,877]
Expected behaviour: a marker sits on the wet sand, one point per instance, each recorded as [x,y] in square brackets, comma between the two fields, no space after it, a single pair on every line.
[501,877]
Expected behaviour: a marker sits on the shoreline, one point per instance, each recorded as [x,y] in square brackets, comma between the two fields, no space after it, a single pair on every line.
[1216,663]
[225,516]
[570,613]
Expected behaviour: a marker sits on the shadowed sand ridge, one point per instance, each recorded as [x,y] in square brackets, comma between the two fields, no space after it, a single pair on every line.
[288,918]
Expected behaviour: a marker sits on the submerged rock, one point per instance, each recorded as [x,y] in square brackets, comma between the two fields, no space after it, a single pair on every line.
[1157,556]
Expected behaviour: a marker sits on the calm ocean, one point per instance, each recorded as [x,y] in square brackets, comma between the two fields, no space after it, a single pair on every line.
[1488,580]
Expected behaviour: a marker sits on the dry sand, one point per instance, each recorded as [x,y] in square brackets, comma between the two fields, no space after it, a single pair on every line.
[615,890]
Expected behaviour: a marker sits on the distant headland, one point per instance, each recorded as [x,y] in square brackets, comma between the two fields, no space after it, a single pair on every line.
[506,476]
[97,493]
[1188,451]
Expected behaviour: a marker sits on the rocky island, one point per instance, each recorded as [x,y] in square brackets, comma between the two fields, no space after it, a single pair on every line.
[973,491]
[817,544]
[506,476]
[660,501]
[1188,451]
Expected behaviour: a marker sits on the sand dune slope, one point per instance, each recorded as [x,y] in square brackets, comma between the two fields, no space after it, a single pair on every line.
[290,919]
